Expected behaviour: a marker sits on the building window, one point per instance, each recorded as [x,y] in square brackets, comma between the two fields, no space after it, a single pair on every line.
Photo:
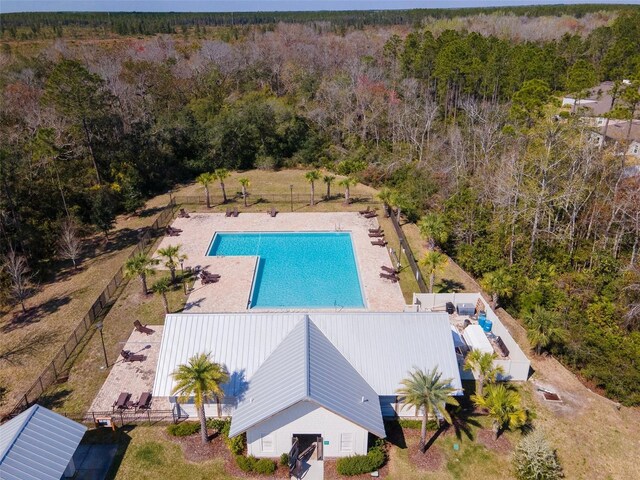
[346,442]
[266,442]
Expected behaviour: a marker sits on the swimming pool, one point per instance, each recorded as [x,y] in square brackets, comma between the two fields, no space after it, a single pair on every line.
[297,270]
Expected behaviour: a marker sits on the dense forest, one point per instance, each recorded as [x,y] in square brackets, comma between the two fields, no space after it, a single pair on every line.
[38,25]
[464,129]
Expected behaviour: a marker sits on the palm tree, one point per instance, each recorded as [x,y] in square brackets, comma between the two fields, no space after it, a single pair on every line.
[427,392]
[542,328]
[140,265]
[328,180]
[245,183]
[504,405]
[173,256]
[499,284]
[385,195]
[200,378]
[481,364]
[347,183]
[433,262]
[161,287]
[206,179]
[400,201]
[311,177]
[221,174]
[433,228]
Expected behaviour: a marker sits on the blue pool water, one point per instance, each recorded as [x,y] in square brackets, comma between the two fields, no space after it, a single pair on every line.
[297,270]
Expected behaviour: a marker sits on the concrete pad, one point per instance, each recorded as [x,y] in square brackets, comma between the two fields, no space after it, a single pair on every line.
[232,292]
[133,377]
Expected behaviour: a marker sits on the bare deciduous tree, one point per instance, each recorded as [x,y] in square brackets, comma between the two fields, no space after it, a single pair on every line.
[69,244]
[18,270]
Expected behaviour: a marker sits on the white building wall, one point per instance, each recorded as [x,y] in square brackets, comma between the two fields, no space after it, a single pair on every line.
[516,366]
[272,437]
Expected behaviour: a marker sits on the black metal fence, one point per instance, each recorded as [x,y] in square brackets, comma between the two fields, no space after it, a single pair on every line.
[404,245]
[126,417]
[256,198]
[56,369]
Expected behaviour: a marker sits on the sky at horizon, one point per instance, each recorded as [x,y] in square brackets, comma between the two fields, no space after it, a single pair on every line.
[11,6]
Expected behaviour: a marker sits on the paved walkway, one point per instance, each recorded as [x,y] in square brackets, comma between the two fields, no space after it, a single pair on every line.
[231,293]
[312,470]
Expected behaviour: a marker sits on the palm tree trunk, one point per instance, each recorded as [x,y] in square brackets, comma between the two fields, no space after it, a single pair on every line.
[203,424]
[219,407]
[346,195]
[244,195]
[224,192]
[398,216]
[143,278]
[328,190]
[494,300]
[165,302]
[313,191]
[173,274]
[206,193]
[423,431]
[432,280]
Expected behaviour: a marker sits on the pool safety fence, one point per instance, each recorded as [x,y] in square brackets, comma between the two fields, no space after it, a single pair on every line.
[404,246]
[120,418]
[57,370]
[297,198]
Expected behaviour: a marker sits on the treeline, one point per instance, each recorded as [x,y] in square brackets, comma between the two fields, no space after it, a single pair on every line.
[33,25]
[457,126]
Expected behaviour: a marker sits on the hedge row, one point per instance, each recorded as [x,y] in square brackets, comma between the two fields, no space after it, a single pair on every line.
[183,429]
[251,464]
[359,464]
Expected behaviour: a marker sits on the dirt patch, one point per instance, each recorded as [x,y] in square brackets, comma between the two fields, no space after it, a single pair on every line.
[502,445]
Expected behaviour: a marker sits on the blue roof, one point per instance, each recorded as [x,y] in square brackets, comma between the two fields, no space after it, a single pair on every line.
[38,445]
[307,367]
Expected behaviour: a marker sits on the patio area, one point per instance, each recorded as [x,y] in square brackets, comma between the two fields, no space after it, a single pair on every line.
[232,292]
[133,377]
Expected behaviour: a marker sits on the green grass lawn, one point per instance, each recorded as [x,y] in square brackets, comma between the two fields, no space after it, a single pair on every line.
[148,453]
[86,375]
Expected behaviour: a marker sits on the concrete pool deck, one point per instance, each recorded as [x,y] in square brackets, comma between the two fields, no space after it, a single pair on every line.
[232,292]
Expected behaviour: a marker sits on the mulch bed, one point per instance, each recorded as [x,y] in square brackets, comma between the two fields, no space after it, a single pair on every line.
[431,460]
[194,451]
[502,445]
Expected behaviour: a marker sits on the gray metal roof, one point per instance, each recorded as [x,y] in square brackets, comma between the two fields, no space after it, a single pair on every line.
[381,347]
[307,367]
[38,445]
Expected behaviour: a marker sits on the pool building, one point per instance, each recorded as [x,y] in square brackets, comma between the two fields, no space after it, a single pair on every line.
[329,376]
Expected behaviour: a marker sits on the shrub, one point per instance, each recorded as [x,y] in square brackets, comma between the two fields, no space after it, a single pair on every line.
[265,466]
[251,464]
[183,429]
[284,459]
[535,459]
[236,444]
[219,425]
[246,464]
[417,424]
[359,464]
